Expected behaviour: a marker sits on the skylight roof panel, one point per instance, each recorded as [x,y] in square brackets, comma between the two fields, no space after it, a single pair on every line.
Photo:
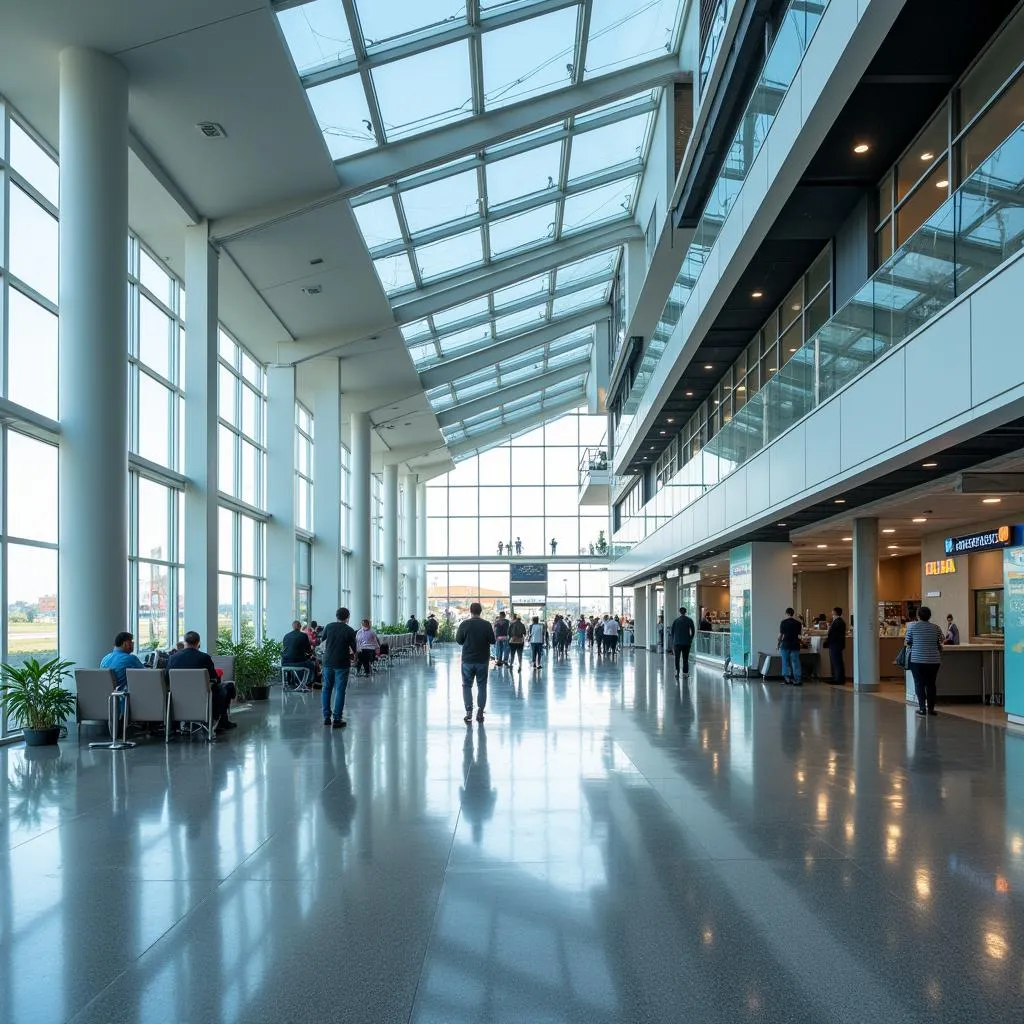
[395,272]
[528,57]
[510,377]
[567,358]
[423,353]
[455,314]
[463,341]
[441,201]
[467,392]
[424,91]
[316,34]
[567,387]
[627,32]
[521,175]
[537,137]
[532,359]
[522,290]
[378,222]
[614,144]
[584,299]
[523,229]
[443,401]
[600,263]
[385,20]
[609,202]
[449,254]
[524,320]
[415,331]
[343,116]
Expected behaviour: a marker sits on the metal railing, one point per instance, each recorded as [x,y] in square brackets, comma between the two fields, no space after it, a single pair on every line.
[978,228]
[713,645]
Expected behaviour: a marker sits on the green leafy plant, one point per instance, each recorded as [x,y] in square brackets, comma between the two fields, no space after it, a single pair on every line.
[255,662]
[395,629]
[446,631]
[602,543]
[33,693]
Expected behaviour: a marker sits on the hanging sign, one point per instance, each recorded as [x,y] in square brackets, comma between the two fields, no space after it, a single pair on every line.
[987,540]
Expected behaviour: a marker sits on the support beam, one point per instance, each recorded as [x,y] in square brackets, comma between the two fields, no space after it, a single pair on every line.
[504,432]
[280,498]
[362,522]
[327,490]
[865,604]
[533,386]
[421,549]
[502,273]
[384,164]
[461,366]
[412,596]
[390,610]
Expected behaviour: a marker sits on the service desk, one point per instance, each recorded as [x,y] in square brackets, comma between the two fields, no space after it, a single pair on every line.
[969,673]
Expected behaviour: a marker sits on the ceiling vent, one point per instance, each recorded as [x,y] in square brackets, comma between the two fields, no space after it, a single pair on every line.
[211,130]
[312,289]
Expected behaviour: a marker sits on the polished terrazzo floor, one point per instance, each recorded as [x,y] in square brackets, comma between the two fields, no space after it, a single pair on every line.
[610,847]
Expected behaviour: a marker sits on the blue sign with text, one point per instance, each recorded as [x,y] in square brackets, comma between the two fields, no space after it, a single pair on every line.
[528,572]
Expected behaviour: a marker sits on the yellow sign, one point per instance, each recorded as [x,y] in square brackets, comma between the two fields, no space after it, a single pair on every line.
[944,567]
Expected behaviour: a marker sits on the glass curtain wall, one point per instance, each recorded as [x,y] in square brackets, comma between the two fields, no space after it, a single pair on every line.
[346,527]
[303,511]
[524,491]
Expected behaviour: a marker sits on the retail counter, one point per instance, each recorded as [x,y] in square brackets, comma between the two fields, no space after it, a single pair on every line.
[969,672]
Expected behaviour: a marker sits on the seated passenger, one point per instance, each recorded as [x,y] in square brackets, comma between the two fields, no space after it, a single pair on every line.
[122,658]
[297,651]
[192,657]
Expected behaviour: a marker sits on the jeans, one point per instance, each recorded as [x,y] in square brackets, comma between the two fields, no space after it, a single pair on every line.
[430,640]
[790,664]
[501,651]
[515,650]
[471,669]
[581,640]
[684,650]
[924,684]
[335,679]
[537,649]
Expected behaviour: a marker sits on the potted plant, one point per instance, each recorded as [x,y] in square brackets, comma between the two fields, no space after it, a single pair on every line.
[34,697]
[602,543]
[255,663]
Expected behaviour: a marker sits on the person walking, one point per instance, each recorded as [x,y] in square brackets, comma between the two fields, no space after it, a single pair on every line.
[835,641]
[501,656]
[339,645]
[430,628]
[519,546]
[554,545]
[536,640]
[924,640]
[681,633]
[789,648]
[611,636]
[516,641]
[367,648]
[581,633]
[501,548]
[952,633]
[661,633]
[475,637]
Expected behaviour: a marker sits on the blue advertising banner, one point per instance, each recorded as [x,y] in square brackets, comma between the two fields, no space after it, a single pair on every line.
[528,572]
[1013,629]
[740,575]
[987,540]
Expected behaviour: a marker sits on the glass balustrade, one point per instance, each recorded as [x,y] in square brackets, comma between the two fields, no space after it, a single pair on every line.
[977,229]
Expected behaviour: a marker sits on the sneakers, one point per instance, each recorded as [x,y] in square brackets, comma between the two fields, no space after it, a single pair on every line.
[327,719]
[480,715]
[339,723]
[469,716]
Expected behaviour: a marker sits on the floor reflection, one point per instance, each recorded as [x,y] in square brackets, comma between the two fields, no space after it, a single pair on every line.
[613,845]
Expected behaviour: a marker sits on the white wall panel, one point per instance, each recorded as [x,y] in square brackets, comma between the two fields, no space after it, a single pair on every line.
[787,460]
[997,352]
[788,122]
[731,234]
[758,483]
[716,509]
[736,497]
[824,55]
[754,188]
[823,454]
[938,382]
[873,412]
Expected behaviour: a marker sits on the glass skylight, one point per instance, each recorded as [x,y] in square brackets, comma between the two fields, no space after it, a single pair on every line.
[395,272]
[397,17]
[450,254]
[599,204]
[523,229]
[529,172]
[316,33]
[626,32]
[344,117]
[378,223]
[456,314]
[441,201]
[522,290]
[620,143]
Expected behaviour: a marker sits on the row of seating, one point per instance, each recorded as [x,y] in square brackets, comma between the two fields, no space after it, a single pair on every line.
[154,695]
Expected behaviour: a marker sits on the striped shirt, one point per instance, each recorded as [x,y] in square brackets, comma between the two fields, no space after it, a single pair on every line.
[924,640]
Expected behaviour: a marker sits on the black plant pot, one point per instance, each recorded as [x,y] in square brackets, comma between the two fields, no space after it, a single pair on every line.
[41,737]
[259,693]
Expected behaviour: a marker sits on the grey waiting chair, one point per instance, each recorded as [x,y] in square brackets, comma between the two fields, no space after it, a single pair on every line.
[191,697]
[96,700]
[225,662]
[148,697]
[299,678]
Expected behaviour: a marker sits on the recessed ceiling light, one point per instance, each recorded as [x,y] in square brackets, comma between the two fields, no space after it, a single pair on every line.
[689,394]
[888,529]
[860,148]
[847,538]
[742,387]
[892,547]
[942,183]
[929,465]
[708,366]
[780,524]
[757,295]
[795,307]
[927,156]
[771,369]
[991,501]
[919,519]
[839,501]
[663,432]
[831,565]
[822,547]
[670,420]
[716,401]
[895,554]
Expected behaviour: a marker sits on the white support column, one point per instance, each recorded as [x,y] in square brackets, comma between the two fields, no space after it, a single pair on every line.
[93,464]
[280,498]
[391,544]
[362,549]
[865,604]
[421,549]
[652,617]
[640,616]
[413,598]
[326,490]
[672,602]
[201,325]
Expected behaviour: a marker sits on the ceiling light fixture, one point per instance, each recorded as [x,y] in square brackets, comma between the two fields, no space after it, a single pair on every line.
[821,547]
[708,366]
[919,519]
[929,465]
[942,183]
[991,501]
[839,501]
[670,420]
[780,524]
[689,394]
[861,148]
[757,295]
[663,432]
[888,529]
[831,565]
[892,547]
[927,156]
[847,538]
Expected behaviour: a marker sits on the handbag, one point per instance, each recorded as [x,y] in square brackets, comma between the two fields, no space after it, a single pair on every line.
[903,658]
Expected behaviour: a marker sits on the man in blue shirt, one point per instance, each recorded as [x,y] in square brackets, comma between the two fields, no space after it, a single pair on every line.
[122,658]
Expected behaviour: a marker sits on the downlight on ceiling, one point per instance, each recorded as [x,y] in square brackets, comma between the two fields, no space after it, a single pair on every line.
[861,148]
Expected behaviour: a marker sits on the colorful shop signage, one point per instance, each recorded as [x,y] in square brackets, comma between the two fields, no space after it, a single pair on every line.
[1013,631]
[741,563]
[1000,537]
[943,567]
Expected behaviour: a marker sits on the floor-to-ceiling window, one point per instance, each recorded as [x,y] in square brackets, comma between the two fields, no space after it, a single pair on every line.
[526,493]
[345,578]
[303,511]
[242,469]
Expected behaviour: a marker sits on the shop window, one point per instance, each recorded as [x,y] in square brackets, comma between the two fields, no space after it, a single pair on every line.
[931,194]
[988,612]
[923,152]
[992,70]
[992,129]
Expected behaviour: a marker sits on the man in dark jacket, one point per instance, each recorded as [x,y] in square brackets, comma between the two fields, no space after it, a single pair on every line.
[297,651]
[835,641]
[683,631]
[475,636]
[339,645]
[413,625]
[192,657]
